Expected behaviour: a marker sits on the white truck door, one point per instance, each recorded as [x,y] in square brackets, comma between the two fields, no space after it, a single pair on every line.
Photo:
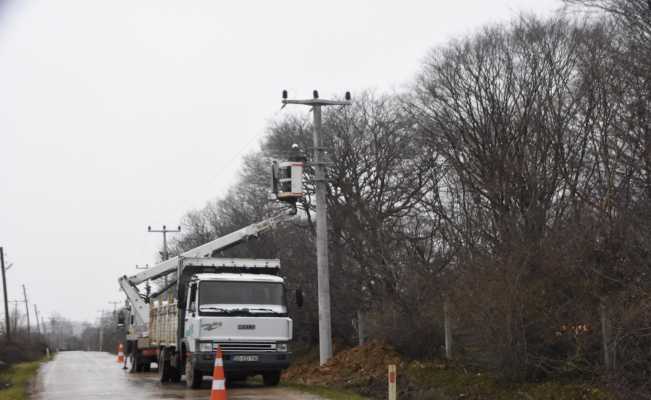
[190,316]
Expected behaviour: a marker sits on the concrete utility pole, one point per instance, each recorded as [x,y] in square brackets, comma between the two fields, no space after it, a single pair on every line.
[26,310]
[101,330]
[323,274]
[101,337]
[605,333]
[147,286]
[38,323]
[164,231]
[15,323]
[115,304]
[4,290]
[447,326]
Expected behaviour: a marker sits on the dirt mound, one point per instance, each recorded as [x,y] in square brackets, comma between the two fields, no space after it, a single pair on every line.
[362,368]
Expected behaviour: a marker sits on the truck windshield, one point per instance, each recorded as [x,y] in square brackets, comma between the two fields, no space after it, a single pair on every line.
[223,292]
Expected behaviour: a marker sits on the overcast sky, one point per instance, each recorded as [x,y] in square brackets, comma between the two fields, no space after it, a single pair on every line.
[115,115]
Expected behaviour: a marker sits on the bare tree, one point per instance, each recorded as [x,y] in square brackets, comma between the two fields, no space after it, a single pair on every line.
[501,108]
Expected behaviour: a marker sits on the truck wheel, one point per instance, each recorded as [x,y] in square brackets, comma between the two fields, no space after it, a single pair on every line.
[174,367]
[146,367]
[271,378]
[193,377]
[163,367]
[133,360]
[175,375]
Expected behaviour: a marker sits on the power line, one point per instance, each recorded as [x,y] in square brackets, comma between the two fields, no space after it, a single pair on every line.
[222,169]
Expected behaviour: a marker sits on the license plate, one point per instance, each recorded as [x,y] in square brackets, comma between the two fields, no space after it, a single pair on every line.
[245,358]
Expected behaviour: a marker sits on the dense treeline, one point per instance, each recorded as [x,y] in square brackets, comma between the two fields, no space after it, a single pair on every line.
[25,345]
[512,179]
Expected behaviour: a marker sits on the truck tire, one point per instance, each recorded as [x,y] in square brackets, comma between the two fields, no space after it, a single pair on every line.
[175,375]
[175,366]
[193,377]
[135,363]
[163,367]
[271,378]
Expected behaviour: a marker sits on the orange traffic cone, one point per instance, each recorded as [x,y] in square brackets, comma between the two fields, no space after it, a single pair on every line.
[120,354]
[218,391]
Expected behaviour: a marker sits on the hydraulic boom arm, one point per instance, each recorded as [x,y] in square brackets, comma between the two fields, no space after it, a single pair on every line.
[206,250]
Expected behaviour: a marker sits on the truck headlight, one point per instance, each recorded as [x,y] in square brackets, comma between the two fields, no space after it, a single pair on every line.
[281,347]
[205,347]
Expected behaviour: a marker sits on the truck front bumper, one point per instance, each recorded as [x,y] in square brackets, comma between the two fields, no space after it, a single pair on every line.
[266,361]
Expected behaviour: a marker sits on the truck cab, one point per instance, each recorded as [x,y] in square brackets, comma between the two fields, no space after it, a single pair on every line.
[246,316]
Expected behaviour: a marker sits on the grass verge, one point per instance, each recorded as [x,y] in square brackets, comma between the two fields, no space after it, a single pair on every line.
[435,382]
[325,392]
[17,377]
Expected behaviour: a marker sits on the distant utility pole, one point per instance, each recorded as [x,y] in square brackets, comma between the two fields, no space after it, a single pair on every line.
[15,323]
[26,310]
[101,330]
[319,162]
[101,336]
[115,305]
[4,290]
[147,286]
[38,324]
[164,231]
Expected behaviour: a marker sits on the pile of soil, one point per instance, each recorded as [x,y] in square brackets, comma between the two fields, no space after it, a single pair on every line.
[362,369]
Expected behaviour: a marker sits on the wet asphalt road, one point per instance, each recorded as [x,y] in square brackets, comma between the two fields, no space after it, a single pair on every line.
[93,375]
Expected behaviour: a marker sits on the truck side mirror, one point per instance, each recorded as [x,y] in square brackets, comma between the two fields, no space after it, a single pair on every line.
[299,298]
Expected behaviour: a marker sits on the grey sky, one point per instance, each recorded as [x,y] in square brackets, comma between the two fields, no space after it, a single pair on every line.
[119,114]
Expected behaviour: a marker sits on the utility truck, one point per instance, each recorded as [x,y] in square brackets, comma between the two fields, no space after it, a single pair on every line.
[235,303]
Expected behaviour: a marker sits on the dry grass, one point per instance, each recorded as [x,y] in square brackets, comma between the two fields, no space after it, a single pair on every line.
[15,380]
[363,371]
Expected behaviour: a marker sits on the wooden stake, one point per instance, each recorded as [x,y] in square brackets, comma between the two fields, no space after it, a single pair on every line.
[393,377]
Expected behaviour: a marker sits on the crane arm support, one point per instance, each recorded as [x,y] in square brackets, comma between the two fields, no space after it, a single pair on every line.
[139,308]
